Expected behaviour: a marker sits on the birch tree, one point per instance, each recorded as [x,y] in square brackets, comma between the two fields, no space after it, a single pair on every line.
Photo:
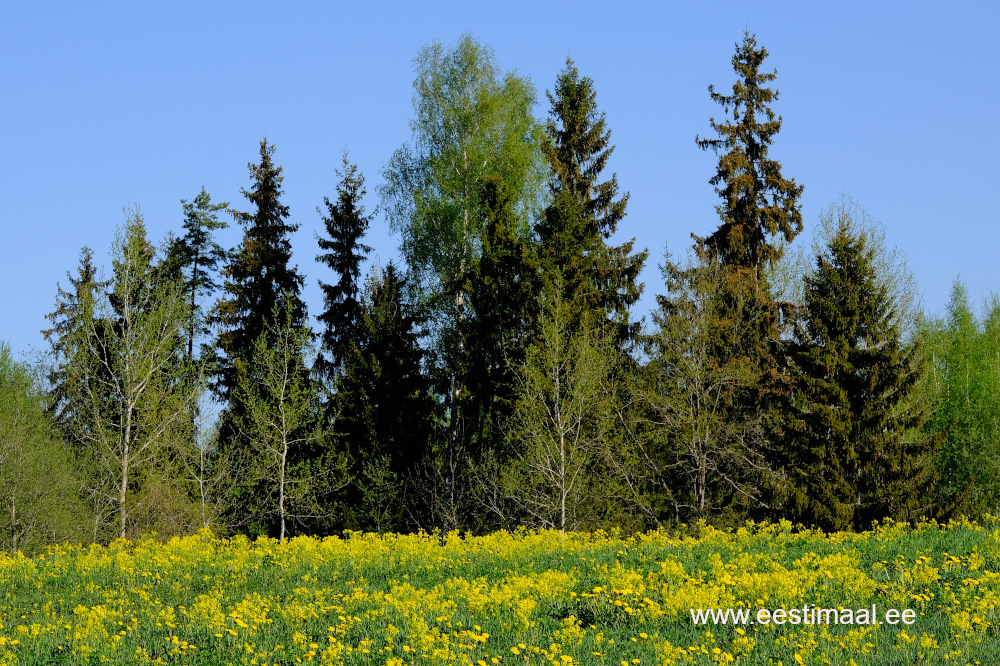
[471,121]
[287,469]
[40,489]
[128,380]
[562,418]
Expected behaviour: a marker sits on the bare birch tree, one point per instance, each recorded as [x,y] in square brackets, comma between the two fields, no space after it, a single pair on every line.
[696,452]
[288,468]
[129,382]
[561,420]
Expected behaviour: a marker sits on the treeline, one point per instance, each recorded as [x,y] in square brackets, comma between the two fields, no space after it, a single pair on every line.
[500,378]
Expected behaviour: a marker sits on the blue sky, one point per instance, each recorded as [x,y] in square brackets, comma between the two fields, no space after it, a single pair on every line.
[107,105]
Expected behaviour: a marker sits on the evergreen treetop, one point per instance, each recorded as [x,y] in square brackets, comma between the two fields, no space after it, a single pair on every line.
[584,212]
[195,257]
[346,224]
[577,145]
[259,277]
[757,201]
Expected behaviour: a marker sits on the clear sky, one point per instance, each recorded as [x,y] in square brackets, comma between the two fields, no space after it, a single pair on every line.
[107,105]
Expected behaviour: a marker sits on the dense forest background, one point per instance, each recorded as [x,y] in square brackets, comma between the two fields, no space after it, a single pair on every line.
[498,377]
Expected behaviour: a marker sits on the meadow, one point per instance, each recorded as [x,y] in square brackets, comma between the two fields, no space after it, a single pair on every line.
[521,598]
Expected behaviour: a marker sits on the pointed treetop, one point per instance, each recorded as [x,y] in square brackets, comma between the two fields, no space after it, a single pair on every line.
[757,201]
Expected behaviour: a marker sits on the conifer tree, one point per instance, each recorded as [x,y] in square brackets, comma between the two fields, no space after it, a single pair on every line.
[758,202]
[505,283]
[346,224]
[260,276]
[847,438]
[759,213]
[385,407]
[196,257]
[74,310]
[759,207]
[259,282]
[584,212]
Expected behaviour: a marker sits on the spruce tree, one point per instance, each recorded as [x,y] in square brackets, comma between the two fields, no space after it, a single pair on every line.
[758,202]
[759,208]
[759,211]
[584,212]
[503,287]
[385,408]
[259,282]
[75,309]
[260,276]
[850,457]
[346,224]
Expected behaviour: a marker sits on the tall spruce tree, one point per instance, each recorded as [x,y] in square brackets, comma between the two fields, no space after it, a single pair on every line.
[758,202]
[759,207]
[506,278]
[346,224]
[74,310]
[759,211]
[584,212]
[259,277]
[850,455]
[259,282]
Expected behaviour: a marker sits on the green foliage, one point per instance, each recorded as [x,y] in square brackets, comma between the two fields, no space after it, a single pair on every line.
[584,212]
[787,275]
[964,385]
[385,412]
[757,201]
[41,500]
[129,393]
[381,489]
[698,456]
[850,456]
[472,123]
[74,311]
[259,278]
[195,258]
[504,284]
[346,224]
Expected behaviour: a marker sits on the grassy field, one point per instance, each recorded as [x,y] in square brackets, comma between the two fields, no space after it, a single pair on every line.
[524,598]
